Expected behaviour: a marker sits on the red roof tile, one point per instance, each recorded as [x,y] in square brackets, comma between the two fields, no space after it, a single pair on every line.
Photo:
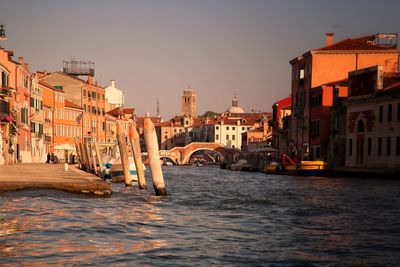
[71,104]
[391,82]
[361,43]
[50,86]
[121,111]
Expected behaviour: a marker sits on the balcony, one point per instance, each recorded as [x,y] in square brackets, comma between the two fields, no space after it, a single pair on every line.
[5,92]
[47,138]
[37,135]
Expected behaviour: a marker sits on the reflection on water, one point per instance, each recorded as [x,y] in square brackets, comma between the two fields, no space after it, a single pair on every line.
[210,217]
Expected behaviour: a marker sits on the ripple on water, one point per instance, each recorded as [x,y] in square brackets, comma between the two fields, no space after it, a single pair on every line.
[209,217]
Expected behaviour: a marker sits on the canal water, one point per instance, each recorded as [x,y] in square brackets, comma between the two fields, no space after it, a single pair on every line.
[211,217]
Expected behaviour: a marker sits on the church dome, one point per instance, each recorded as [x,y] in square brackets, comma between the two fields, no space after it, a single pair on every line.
[235,107]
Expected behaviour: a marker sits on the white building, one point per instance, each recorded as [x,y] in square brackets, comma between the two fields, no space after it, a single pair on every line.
[373,119]
[228,132]
[114,96]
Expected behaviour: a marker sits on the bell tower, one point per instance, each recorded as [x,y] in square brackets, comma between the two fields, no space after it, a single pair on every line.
[189,102]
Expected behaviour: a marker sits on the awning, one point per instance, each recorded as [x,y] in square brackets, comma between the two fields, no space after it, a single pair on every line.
[64,147]
[264,149]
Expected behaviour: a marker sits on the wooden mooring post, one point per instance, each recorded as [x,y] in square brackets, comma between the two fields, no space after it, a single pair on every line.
[123,151]
[153,153]
[137,156]
[83,154]
[99,160]
[78,153]
[93,157]
[89,166]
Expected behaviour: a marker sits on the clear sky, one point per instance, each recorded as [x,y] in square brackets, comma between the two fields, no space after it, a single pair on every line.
[156,48]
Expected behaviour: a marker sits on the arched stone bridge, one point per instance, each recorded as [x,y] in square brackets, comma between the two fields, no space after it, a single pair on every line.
[181,155]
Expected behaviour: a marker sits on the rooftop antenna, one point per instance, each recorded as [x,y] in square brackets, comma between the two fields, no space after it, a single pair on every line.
[334,27]
[158,108]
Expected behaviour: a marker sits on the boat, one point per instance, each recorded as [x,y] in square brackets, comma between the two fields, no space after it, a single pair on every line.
[292,167]
[116,168]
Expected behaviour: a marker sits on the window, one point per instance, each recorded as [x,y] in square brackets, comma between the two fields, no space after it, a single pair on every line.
[24,115]
[4,79]
[369,146]
[380,113]
[388,146]
[248,128]
[84,93]
[380,146]
[165,137]
[227,127]
[227,137]
[390,112]
[398,111]
[301,73]
[175,130]
[217,127]
[233,137]
[398,146]
[217,137]
[350,147]
[233,128]
[242,128]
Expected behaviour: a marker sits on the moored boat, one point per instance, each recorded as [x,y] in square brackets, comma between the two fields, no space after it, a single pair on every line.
[290,167]
[116,171]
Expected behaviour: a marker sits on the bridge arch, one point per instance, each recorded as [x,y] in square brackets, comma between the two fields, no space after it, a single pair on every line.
[189,154]
[181,155]
[170,158]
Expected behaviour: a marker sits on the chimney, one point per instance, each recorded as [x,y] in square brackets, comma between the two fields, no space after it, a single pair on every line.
[113,83]
[329,39]
[21,60]
[90,80]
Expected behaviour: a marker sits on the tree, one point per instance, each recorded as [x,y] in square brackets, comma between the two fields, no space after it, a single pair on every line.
[209,113]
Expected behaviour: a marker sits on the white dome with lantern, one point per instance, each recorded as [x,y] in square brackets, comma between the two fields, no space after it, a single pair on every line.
[235,107]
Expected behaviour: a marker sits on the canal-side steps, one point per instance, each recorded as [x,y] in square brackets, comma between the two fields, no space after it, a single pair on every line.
[51,176]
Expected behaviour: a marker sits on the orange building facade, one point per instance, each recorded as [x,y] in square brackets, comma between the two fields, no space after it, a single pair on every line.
[87,95]
[328,64]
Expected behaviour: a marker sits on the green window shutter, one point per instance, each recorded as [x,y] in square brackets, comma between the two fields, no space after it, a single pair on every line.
[32,102]
[26,116]
[32,127]
[22,115]
[41,128]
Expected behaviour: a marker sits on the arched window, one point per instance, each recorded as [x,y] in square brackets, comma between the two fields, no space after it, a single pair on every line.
[360,126]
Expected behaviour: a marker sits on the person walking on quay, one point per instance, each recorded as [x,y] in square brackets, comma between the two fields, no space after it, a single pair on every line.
[48,158]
